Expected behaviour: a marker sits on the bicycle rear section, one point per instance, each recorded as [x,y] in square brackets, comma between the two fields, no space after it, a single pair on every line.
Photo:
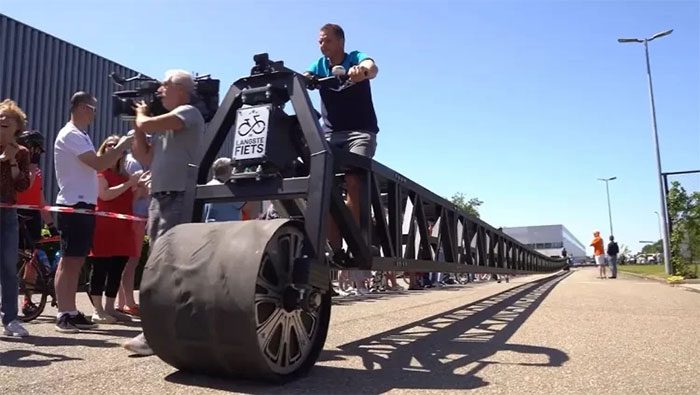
[251,298]
[35,275]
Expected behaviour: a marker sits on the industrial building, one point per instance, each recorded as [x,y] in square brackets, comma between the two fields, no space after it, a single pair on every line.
[41,72]
[549,240]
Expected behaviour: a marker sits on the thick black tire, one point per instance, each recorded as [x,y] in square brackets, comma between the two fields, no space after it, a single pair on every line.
[211,301]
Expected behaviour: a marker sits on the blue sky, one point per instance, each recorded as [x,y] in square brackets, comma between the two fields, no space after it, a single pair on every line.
[521,104]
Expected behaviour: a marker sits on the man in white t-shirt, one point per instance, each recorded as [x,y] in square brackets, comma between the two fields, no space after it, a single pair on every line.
[76,165]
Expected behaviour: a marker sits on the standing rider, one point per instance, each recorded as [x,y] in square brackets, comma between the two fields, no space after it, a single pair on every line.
[349,120]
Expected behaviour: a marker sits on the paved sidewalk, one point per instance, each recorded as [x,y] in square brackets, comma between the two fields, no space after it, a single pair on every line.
[569,334]
[692,285]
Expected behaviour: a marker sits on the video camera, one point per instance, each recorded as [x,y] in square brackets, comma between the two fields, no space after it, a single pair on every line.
[205,97]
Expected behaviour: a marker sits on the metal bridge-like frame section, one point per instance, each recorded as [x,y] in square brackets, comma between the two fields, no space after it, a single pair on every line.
[418,230]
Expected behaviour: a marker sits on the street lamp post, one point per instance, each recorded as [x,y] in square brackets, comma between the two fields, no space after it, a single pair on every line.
[658,221]
[607,191]
[664,211]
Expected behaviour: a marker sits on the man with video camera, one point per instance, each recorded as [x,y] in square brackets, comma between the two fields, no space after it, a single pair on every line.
[176,137]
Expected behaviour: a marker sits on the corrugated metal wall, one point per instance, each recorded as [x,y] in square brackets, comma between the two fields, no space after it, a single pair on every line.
[41,72]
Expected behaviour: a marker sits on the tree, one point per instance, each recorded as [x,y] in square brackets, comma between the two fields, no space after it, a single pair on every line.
[653,248]
[684,215]
[470,206]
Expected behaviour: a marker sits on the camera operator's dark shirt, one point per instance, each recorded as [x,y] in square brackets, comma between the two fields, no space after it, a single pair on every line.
[349,109]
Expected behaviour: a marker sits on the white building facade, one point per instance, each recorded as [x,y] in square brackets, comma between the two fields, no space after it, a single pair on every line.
[549,240]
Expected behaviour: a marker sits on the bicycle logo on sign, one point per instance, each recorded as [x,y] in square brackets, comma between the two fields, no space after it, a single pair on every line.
[256,127]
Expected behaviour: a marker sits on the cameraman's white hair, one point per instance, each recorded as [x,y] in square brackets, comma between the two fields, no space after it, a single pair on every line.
[180,77]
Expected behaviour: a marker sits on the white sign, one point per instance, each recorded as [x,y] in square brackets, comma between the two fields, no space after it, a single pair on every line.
[250,137]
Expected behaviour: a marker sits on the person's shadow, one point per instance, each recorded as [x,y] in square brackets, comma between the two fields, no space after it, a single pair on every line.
[31,358]
[445,351]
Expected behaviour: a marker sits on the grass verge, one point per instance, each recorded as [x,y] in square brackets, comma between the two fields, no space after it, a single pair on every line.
[650,270]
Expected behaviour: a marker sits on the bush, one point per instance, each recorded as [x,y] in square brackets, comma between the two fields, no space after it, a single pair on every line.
[679,262]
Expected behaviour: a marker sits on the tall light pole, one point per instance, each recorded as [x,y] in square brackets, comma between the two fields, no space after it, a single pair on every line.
[664,211]
[658,221]
[607,191]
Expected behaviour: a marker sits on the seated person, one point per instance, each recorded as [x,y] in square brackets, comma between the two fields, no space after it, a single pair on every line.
[224,211]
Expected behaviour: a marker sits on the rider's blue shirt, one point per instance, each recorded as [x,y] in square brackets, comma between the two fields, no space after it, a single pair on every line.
[351,108]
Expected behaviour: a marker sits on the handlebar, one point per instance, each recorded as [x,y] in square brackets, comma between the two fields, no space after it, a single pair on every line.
[332,82]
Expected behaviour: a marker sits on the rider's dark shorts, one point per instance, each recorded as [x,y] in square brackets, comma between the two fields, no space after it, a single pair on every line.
[76,231]
[358,142]
[33,228]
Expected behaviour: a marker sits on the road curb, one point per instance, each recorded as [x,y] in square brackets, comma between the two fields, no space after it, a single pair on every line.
[659,280]
[644,276]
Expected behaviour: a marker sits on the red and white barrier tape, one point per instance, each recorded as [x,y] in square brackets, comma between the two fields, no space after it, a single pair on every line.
[60,209]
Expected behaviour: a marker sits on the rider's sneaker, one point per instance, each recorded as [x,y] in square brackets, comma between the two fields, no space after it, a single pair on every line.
[103,318]
[29,309]
[138,345]
[340,257]
[15,329]
[64,324]
[81,322]
[361,291]
[119,316]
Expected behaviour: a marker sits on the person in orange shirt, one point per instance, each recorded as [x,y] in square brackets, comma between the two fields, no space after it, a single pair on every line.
[599,253]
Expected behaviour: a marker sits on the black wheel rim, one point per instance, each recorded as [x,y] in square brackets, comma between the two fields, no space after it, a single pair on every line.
[286,333]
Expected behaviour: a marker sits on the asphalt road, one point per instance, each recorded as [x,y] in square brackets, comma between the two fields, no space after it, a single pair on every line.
[565,334]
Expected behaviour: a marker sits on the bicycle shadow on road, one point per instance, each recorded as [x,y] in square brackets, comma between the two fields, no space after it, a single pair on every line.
[444,351]
[381,296]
